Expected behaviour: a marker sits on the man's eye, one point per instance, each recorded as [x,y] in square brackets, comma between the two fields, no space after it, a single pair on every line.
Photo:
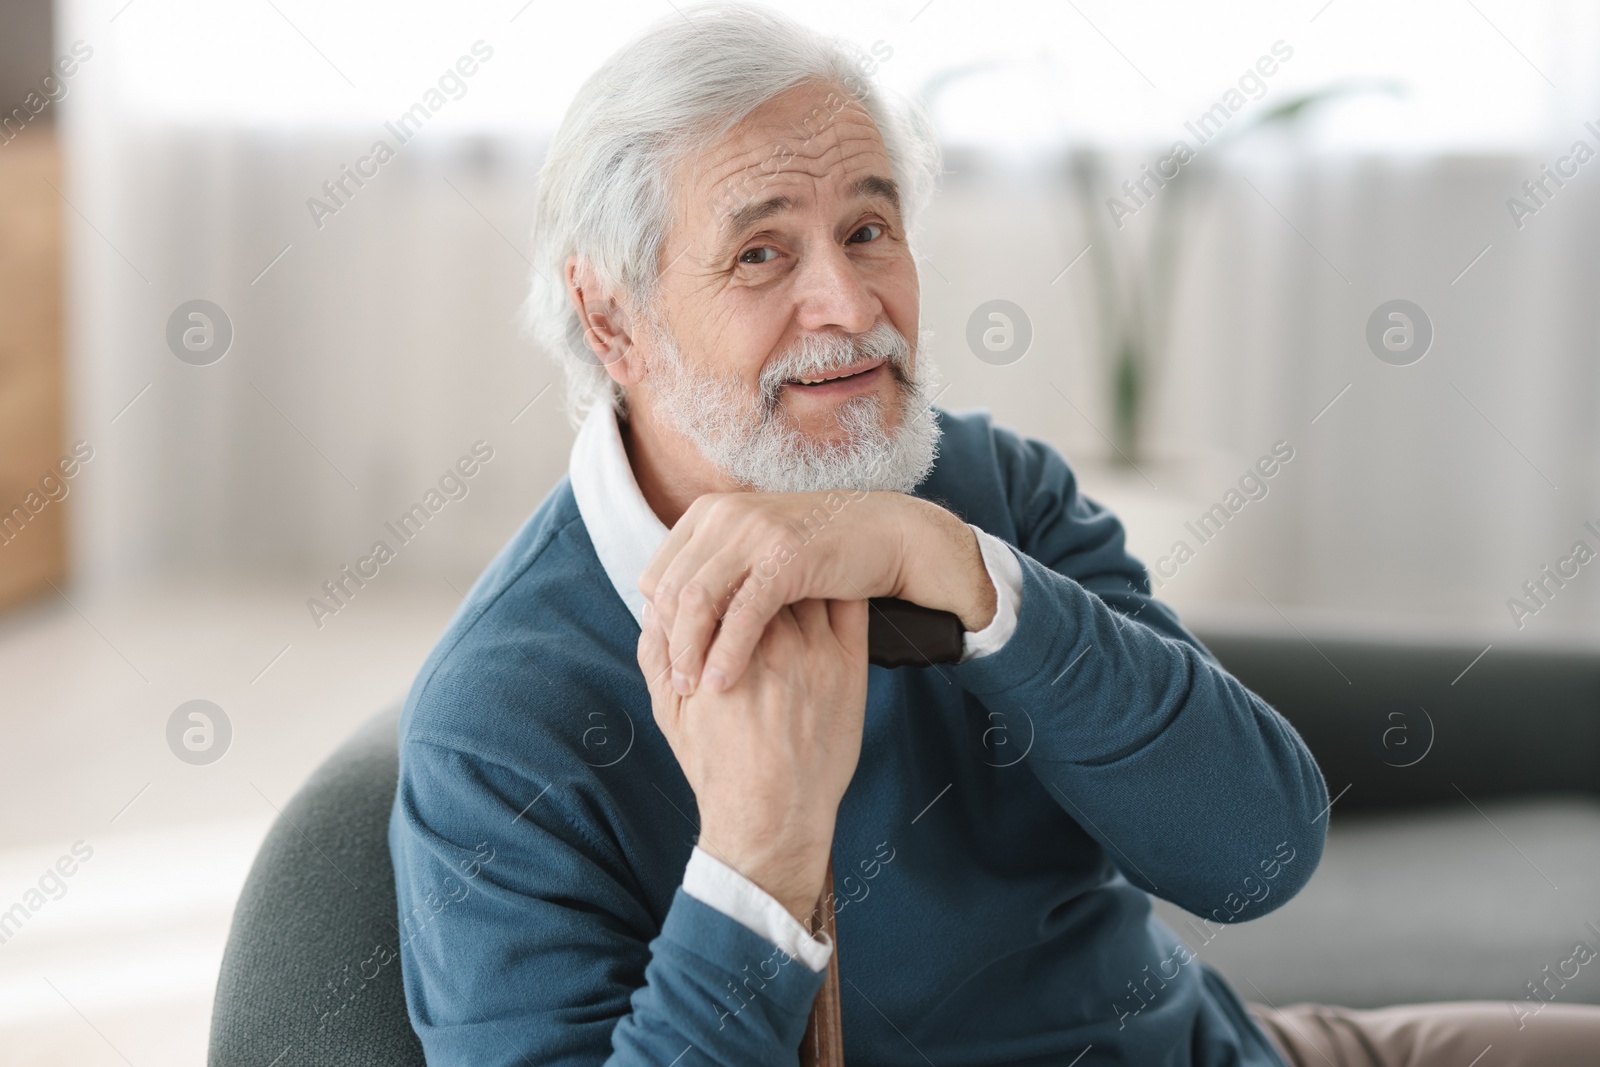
[864,229]
[744,257]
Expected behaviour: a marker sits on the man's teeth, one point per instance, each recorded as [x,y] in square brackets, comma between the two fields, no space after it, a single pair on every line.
[819,381]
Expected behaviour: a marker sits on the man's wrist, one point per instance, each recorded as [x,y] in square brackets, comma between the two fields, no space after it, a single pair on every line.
[791,875]
[713,882]
[941,565]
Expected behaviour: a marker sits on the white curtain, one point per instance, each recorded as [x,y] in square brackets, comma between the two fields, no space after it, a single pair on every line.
[382,345]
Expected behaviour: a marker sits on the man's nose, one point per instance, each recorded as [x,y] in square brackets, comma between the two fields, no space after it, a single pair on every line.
[834,294]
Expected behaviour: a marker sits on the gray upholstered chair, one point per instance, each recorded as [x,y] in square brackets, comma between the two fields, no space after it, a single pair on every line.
[311,974]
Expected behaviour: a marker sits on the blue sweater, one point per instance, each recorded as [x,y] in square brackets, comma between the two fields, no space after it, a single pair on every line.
[993,852]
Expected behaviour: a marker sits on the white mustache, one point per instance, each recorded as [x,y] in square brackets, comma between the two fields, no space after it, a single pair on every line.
[816,355]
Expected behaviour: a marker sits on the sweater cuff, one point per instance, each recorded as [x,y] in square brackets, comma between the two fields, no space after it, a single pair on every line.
[1050,611]
[745,970]
[1005,574]
[713,882]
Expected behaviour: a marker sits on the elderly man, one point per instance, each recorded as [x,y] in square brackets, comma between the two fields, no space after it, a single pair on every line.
[627,763]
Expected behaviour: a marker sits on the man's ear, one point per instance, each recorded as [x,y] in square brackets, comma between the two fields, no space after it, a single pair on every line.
[608,330]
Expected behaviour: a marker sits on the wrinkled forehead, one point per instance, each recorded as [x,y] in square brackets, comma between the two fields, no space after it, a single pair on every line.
[808,147]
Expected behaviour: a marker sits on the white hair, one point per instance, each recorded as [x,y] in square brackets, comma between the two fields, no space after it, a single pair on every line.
[605,188]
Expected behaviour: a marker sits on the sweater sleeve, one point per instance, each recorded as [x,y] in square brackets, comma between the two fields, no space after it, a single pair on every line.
[1197,789]
[1006,576]
[713,882]
[524,938]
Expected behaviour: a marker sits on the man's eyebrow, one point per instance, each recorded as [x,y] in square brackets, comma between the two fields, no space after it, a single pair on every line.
[874,185]
[736,222]
[739,220]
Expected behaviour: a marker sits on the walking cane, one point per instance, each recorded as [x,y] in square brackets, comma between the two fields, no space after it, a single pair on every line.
[823,1044]
[899,634]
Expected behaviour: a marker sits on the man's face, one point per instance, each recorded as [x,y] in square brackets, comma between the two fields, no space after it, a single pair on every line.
[787,254]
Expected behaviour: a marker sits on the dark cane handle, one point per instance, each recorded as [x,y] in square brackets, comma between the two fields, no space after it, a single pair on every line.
[903,634]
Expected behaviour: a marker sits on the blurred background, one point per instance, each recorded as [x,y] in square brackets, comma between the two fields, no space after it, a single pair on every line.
[221,374]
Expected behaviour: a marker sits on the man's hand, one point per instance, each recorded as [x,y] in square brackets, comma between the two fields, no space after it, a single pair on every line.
[770,758]
[734,559]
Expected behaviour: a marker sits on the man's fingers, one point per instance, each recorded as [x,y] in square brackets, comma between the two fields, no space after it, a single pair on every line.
[676,538]
[724,587]
[653,659]
[729,543]
[753,607]
[692,628]
[691,564]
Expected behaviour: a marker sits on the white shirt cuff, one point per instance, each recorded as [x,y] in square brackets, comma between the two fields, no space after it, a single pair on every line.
[718,885]
[1006,575]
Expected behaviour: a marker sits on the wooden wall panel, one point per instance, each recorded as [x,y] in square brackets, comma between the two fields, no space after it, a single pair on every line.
[32,542]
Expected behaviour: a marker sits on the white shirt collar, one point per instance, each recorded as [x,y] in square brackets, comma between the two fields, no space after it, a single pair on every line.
[625,532]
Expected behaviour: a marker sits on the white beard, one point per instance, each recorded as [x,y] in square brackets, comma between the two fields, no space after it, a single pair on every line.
[752,441]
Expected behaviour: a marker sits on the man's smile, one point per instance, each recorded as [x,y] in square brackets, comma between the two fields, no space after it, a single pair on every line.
[858,377]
